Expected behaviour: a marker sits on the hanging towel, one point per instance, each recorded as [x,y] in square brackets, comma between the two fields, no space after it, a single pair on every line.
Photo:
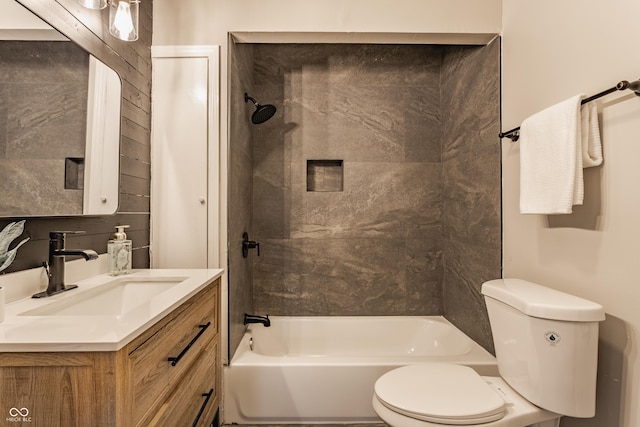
[590,133]
[555,145]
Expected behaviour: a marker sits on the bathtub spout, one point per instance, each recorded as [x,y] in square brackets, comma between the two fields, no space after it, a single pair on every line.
[252,318]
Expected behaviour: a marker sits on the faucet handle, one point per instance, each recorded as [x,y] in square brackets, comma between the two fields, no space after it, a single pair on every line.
[58,236]
[248,244]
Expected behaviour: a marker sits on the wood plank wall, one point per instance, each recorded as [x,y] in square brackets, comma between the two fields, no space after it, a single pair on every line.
[132,61]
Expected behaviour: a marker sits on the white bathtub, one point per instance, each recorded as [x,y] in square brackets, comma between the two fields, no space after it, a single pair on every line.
[322,369]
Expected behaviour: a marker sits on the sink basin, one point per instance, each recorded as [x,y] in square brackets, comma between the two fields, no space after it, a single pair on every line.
[114,298]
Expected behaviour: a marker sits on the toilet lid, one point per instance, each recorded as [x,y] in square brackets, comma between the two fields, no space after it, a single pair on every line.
[440,393]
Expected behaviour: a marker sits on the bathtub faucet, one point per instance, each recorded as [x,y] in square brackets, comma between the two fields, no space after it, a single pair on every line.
[252,318]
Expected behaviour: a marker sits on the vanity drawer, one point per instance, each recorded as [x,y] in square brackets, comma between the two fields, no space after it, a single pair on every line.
[195,399]
[160,358]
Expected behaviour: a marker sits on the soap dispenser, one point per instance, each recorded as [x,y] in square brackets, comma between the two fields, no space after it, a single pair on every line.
[119,252]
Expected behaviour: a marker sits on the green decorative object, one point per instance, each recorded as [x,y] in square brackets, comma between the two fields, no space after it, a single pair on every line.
[8,235]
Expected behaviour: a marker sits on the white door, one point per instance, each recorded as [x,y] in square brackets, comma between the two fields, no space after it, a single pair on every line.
[185,148]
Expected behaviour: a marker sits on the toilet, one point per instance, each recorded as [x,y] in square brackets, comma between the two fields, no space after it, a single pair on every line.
[546,344]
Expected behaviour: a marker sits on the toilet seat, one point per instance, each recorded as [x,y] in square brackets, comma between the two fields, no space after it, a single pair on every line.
[440,393]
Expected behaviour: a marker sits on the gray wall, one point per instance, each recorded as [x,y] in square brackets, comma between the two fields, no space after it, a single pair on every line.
[414,128]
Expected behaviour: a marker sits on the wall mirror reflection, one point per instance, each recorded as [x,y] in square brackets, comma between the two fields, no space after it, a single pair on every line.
[59,122]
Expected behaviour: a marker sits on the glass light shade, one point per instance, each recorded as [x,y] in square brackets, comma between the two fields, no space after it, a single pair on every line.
[93,4]
[123,19]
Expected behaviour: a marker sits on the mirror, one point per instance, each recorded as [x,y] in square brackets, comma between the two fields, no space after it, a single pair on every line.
[59,122]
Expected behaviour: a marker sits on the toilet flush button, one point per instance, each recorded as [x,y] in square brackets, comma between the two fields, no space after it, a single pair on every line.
[552,337]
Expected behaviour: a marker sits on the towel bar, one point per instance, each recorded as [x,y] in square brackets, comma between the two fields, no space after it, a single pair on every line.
[514,134]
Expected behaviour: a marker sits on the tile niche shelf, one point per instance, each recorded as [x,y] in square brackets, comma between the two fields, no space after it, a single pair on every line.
[325,175]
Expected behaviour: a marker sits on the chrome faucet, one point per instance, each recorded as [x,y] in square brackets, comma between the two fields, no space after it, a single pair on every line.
[252,318]
[55,266]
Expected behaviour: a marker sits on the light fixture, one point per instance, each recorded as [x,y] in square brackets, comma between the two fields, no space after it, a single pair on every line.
[123,19]
[93,4]
[123,16]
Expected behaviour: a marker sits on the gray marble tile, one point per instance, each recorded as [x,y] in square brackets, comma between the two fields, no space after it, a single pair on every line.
[41,61]
[346,277]
[394,200]
[240,294]
[20,177]
[44,86]
[242,60]
[354,123]
[271,203]
[424,275]
[454,58]
[46,121]
[471,197]
[378,65]
[471,102]
[240,194]
[239,128]
[420,185]
[422,124]
[471,185]
[241,81]
[463,304]
[363,65]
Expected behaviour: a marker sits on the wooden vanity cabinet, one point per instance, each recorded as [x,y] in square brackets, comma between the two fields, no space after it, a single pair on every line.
[167,376]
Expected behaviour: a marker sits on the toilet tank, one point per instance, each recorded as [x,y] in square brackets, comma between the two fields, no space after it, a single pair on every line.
[546,344]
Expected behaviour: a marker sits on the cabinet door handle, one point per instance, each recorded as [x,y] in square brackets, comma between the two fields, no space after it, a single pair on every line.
[174,360]
[207,396]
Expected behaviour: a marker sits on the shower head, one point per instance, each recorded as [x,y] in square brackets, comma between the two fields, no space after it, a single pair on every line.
[262,113]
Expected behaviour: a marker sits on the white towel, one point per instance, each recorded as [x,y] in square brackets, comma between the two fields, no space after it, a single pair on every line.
[590,135]
[555,145]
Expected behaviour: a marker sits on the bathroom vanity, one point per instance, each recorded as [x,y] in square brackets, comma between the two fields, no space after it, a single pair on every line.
[75,362]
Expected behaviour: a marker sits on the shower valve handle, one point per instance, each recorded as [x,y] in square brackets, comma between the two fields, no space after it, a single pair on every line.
[248,244]
[253,245]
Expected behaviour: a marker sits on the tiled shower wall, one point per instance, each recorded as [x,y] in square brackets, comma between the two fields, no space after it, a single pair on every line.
[240,271]
[472,232]
[375,246]
[383,240]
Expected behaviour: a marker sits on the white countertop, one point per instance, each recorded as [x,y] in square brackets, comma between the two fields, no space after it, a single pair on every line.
[53,333]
